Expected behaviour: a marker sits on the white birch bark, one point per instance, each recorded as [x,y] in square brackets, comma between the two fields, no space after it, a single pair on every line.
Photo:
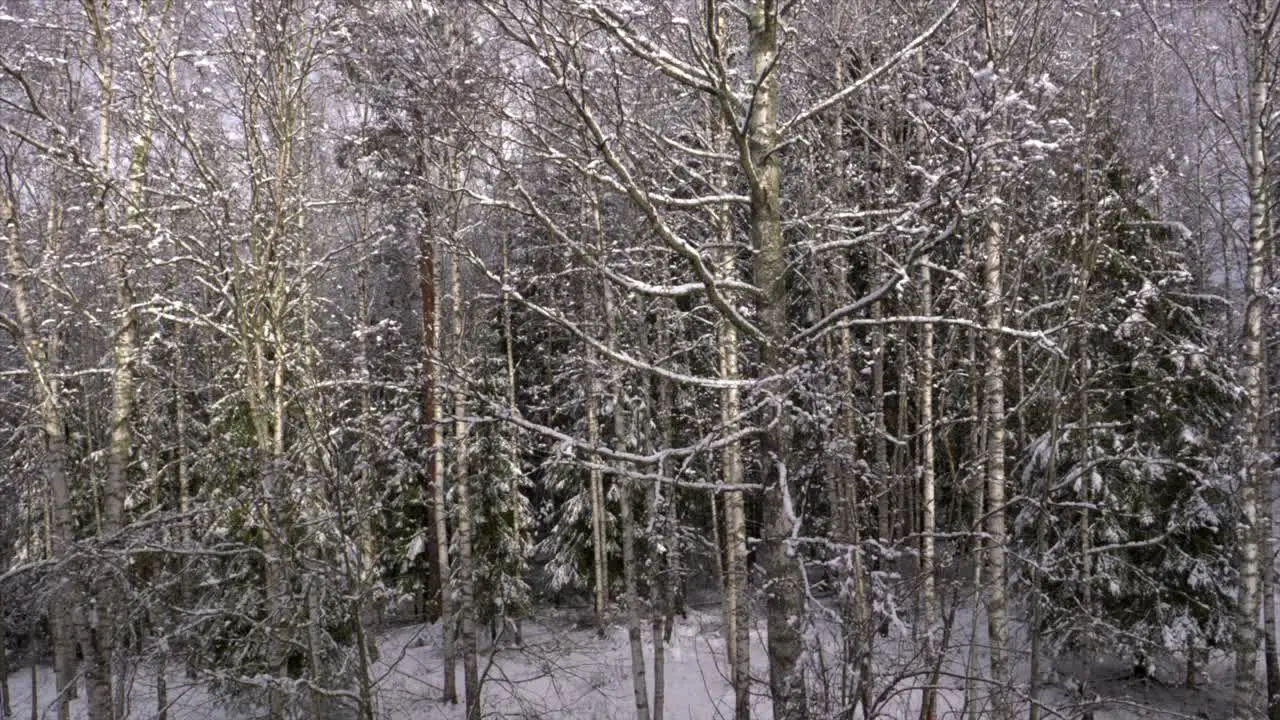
[119,237]
[639,678]
[466,613]
[880,432]
[1249,702]
[928,500]
[978,500]
[784,592]
[41,353]
[665,590]
[997,600]
[599,522]
[1260,444]
[508,343]
[599,527]
[626,515]
[428,281]
[736,605]
[6,703]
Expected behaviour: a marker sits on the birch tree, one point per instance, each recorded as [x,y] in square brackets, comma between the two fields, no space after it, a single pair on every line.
[1259,22]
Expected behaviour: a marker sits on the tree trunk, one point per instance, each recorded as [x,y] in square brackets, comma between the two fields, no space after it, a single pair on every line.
[737,603]
[466,584]
[855,606]
[928,503]
[978,500]
[901,487]
[41,355]
[974,661]
[6,706]
[162,685]
[599,526]
[997,603]
[1266,550]
[508,343]
[880,436]
[665,587]
[1058,376]
[658,629]
[639,681]
[34,657]
[1248,700]
[125,343]
[599,519]
[784,596]
[439,580]
[466,612]
[622,434]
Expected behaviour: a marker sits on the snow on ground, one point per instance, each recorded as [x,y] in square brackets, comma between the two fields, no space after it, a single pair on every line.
[187,700]
[563,670]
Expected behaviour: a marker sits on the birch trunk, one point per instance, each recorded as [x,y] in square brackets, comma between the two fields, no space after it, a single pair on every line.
[41,355]
[1248,700]
[465,577]
[465,580]
[6,704]
[977,498]
[855,606]
[784,594]
[737,607]
[101,632]
[508,342]
[599,522]
[928,502]
[901,483]
[880,439]
[622,435]
[997,603]
[737,600]
[427,283]
[599,550]
[1267,555]
[733,558]
[994,35]
[34,658]
[126,344]
[599,509]
[639,680]
[664,609]
[1058,376]
[162,685]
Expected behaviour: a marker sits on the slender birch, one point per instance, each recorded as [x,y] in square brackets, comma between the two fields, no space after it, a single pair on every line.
[41,352]
[993,391]
[928,500]
[599,523]
[737,607]
[465,577]
[784,592]
[1259,26]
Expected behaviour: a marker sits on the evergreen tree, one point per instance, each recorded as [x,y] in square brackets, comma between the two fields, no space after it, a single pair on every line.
[1139,527]
[504,523]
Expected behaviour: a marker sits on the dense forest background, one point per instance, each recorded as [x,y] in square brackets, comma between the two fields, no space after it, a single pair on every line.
[944,320]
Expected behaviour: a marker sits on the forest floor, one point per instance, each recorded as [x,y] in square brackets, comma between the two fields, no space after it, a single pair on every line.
[566,670]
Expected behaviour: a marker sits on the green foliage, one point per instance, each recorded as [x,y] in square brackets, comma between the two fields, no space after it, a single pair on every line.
[1139,524]
[503,523]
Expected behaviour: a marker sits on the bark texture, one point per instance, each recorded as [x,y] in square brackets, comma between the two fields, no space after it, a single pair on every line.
[1249,702]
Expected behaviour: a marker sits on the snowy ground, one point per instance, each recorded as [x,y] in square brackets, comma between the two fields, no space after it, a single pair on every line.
[565,671]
